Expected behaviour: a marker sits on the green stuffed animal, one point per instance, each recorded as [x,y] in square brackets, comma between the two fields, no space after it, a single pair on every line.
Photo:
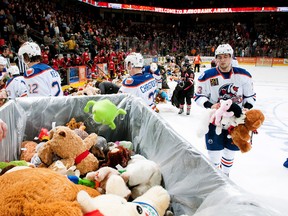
[14,163]
[104,112]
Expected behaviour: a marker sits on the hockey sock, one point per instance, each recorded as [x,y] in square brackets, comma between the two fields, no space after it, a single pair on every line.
[188,109]
[227,160]
[215,157]
[181,108]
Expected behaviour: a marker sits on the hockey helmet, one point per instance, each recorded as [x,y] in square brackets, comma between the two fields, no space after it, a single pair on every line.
[29,48]
[153,67]
[136,60]
[13,70]
[224,49]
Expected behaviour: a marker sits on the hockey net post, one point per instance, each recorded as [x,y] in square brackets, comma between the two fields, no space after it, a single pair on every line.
[264,61]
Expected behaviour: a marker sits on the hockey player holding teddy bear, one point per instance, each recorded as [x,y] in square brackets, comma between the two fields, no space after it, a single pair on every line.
[222,83]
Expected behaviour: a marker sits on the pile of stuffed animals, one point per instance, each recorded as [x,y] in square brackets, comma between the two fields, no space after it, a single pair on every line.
[71,172]
[88,89]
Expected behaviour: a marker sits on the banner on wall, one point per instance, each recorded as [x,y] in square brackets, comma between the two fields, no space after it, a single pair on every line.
[76,75]
[132,7]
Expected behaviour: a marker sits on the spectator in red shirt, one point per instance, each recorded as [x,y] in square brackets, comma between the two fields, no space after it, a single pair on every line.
[111,68]
[45,56]
[78,60]
[55,63]
[85,56]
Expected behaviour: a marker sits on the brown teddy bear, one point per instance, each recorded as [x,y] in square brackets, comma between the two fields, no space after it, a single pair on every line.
[241,134]
[39,192]
[117,155]
[28,150]
[73,124]
[78,127]
[72,150]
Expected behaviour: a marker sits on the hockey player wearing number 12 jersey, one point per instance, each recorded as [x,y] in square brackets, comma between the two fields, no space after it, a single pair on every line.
[42,80]
[139,84]
[221,83]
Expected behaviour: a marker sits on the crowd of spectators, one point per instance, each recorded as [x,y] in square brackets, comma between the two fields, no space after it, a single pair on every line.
[72,28]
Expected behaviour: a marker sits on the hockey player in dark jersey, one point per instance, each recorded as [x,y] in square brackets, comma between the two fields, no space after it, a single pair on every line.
[224,82]
[187,84]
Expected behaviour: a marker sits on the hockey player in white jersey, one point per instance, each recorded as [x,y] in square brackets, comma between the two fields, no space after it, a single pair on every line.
[224,82]
[42,80]
[3,63]
[154,70]
[142,85]
[16,85]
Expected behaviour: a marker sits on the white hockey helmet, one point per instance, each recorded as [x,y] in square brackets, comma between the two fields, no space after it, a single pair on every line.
[3,61]
[136,60]
[13,70]
[153,67]
[224,49]
[30,48]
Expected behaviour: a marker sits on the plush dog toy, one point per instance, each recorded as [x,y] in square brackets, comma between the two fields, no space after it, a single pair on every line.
[241,134]
[104,112]
[154,202]
[39,192]
[141,174]
[72,150]
[118,155]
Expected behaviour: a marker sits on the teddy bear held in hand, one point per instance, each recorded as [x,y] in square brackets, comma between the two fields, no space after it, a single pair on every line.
[72,150]
[241,134]
[220,113]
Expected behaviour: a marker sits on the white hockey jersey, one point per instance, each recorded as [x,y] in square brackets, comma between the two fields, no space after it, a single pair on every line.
[42,80]
[141,85]
[16,87]
[156,75]
[213,85]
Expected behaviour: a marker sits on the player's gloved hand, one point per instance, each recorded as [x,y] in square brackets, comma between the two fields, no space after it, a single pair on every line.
[236,109]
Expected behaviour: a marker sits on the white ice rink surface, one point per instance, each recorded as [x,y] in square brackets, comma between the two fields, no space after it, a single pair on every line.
[260,171]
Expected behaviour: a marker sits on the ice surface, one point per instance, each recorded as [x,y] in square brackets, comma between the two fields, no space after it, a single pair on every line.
[260,171]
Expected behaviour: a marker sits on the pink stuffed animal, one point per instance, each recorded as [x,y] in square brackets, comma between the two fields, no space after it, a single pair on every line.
[220,113]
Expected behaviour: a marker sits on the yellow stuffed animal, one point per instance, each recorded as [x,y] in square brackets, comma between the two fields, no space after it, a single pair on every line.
[39,192]
[241,134]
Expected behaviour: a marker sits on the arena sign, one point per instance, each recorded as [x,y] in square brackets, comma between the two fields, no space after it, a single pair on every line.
[183,11]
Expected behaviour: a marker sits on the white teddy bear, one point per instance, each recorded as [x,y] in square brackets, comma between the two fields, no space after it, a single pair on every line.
[154,202]
[141,174]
